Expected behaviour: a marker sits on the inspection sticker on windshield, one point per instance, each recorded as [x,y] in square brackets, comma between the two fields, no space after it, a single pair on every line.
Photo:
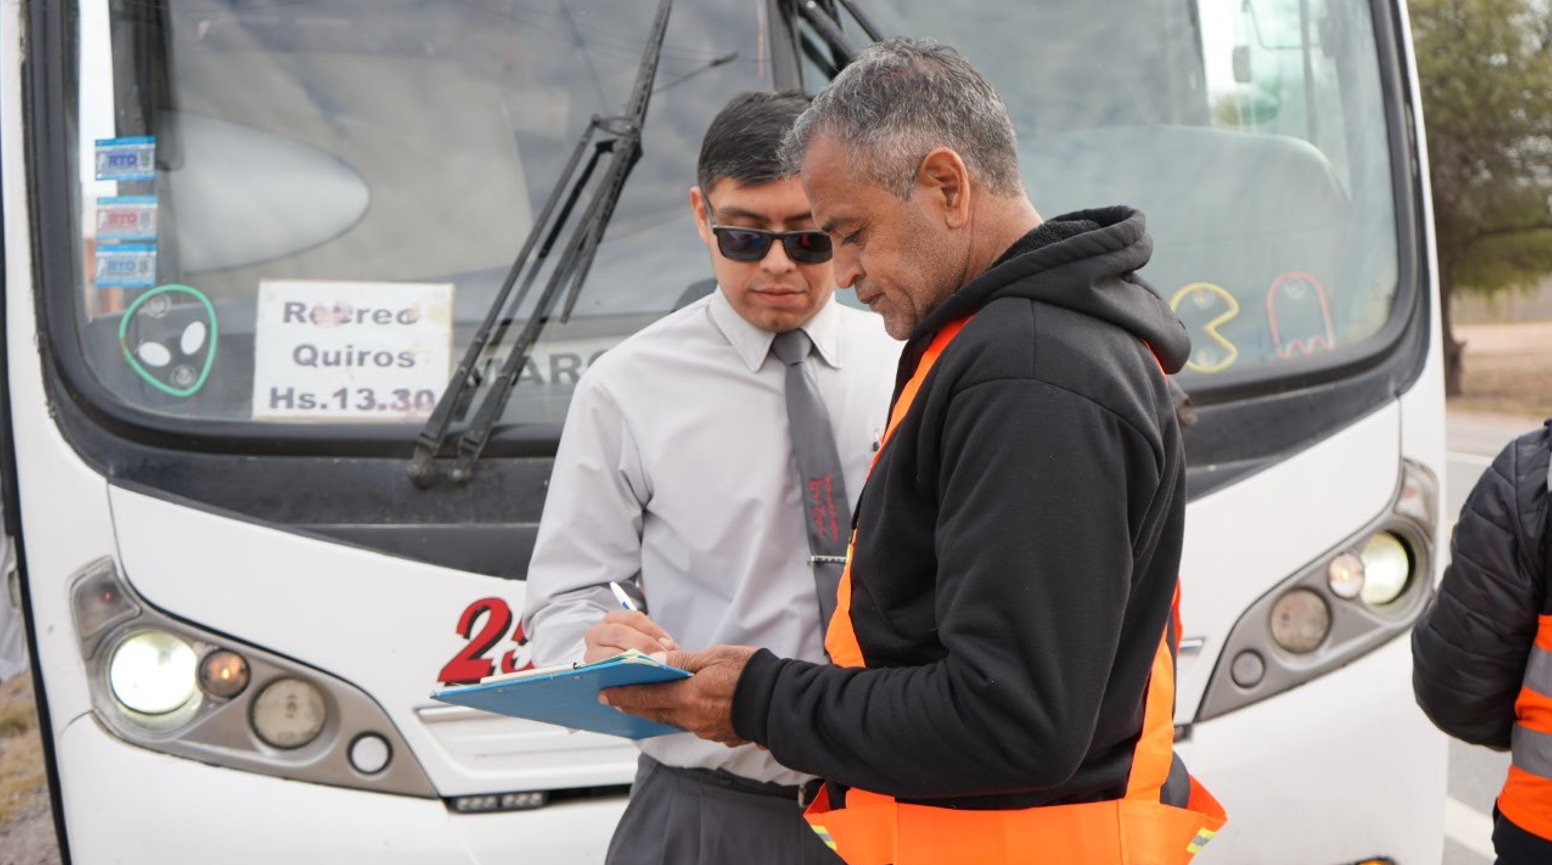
[126,158]
[351,351]
[126,217]
[125,265]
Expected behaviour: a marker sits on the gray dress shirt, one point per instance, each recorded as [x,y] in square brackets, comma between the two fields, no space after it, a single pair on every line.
[675,464]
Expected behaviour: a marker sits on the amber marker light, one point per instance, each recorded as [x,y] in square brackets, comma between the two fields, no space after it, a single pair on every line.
[1345,575]
[223,674]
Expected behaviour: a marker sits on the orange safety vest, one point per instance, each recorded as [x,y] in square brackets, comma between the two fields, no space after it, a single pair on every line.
[1137,829]
[1526,799]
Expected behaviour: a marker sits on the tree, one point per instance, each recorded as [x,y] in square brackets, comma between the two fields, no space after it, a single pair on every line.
[1485,68]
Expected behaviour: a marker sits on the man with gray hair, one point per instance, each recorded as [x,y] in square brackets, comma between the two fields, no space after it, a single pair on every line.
[1002,679]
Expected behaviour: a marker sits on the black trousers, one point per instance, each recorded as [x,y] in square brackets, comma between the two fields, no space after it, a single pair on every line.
[1516,846]
[691,817]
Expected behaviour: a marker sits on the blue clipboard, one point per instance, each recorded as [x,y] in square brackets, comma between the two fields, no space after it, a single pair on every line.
[568,696]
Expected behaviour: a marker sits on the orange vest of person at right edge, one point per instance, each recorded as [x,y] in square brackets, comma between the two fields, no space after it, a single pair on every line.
[1137,829]
[1526,799]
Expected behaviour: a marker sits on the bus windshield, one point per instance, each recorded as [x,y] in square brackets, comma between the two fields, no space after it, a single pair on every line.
[298,213]
[1251,134]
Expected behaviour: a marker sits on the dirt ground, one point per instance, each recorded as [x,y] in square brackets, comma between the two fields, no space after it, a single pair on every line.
[1508,369]
[26,824]
[1508,372]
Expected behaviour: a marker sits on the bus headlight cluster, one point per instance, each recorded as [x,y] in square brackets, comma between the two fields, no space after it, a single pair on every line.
[1363,593]
[173,687]
[1376,573]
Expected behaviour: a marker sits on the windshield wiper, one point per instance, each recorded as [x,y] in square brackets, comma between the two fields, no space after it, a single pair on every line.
[618,154]
[862,20]
[825,18]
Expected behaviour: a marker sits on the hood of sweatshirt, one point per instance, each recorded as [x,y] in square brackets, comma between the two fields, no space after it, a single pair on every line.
[1085,261]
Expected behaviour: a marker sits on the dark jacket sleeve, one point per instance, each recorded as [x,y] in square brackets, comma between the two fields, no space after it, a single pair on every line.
[1470,646]
[1034,552]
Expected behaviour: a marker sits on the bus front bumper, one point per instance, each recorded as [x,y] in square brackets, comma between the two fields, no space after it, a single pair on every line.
[1339,770]
[125,804]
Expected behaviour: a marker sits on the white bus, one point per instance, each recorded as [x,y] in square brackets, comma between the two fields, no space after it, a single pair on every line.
[248,243]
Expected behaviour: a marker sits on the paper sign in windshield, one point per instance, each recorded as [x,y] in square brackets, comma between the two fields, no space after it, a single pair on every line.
[355,352]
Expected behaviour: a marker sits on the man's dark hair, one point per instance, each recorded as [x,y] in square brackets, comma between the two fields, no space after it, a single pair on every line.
[745,137]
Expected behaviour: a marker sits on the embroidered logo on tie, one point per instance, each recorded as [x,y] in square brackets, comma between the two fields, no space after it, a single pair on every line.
[821,503]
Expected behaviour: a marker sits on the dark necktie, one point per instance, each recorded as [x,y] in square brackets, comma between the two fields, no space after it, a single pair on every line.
[821,483]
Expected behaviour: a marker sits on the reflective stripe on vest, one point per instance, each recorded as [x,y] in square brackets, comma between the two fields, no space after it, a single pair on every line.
[1527,795]
[1137,829]
[845,652]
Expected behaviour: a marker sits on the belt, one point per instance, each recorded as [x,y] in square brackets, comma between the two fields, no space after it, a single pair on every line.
[803,794]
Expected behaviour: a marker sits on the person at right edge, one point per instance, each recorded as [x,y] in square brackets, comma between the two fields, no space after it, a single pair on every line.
[1482,651]
[1003,648]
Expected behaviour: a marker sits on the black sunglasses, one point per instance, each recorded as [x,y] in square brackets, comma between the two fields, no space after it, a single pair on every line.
[752,244]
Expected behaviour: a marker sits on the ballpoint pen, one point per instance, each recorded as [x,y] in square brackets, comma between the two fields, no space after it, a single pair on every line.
[622,597]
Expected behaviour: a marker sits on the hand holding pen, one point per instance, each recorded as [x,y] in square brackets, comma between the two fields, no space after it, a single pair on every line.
[625,629]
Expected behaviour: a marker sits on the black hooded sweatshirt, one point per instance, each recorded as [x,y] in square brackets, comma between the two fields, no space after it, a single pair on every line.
[1017,548]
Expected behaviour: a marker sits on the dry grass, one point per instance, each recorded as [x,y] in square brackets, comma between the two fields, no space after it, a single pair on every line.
[1508,369]
[21,751]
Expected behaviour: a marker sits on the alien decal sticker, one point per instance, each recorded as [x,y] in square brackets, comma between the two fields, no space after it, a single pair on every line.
[169,341]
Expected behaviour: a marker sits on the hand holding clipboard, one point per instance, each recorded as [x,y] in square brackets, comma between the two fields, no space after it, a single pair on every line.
[567,695]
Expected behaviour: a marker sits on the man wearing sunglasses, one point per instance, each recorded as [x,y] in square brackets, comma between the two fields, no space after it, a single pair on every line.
[713,459]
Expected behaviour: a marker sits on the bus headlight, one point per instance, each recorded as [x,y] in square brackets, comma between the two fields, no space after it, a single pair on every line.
[152,672]
[1387,568]
[1300,621]
[289,713]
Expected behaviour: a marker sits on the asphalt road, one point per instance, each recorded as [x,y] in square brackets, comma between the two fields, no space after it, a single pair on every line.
[1475,773]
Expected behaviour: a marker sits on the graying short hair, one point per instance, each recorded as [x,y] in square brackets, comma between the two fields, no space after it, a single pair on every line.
[897,102]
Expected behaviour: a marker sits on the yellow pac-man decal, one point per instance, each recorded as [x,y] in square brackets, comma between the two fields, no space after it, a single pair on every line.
[1204,300]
